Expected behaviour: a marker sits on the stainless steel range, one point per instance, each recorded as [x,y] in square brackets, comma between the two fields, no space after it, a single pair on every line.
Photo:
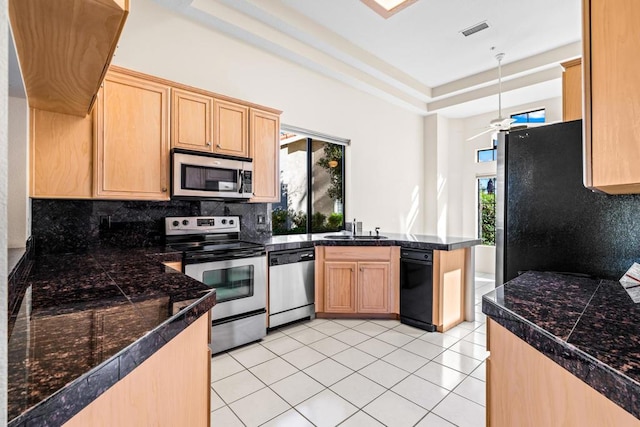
[214,255]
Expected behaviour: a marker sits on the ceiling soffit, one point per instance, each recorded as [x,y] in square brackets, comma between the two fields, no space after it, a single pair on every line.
[281,30]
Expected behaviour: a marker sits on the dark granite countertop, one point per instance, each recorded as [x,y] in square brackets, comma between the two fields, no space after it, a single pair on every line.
[590,327]
[415,241]
[78,323]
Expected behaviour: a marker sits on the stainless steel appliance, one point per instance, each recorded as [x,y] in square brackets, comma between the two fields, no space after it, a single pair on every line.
[291,286]
[204,175]
[416,288]
[213,254]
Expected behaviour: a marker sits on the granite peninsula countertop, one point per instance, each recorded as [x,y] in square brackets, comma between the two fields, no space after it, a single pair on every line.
[415,241]
[590,327]
[78,323]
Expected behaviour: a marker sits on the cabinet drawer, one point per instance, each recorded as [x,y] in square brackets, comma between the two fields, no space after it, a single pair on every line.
[357,253]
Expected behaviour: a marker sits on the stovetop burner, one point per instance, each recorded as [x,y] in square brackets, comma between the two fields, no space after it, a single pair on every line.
[208,238]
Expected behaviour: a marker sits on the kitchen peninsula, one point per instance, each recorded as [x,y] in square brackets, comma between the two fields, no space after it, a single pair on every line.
[109,334]
[564,351]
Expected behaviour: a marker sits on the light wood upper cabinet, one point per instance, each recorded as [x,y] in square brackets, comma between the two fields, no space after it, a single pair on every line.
[230,128]
[356,279]
[132,146]
[61,162]
[373,287]
[340,287]
[64,48]
[265,151]
[611,41]
[191,121]
[572,90]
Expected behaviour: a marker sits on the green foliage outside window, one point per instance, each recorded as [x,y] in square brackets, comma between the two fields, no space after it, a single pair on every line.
[488,218]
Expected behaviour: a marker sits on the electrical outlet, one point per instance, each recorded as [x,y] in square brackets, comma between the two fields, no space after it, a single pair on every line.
[261,219]
[105,222]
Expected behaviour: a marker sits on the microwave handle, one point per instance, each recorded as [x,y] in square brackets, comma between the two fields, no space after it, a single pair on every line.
[241,180]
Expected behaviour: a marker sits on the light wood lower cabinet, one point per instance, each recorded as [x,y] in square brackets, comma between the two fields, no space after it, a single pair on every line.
[172,387]
[374,293]
[61,155]
[526,388]
[448,288]
[132,144]
[340,287]
[264,132]
[356,279]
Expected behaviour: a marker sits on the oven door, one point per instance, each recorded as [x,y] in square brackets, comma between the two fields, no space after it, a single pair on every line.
[240,283]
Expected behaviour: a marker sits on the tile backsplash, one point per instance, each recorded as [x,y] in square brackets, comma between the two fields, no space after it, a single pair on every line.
[76,225]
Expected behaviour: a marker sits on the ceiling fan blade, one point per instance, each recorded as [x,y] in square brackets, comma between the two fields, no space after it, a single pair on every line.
[481,133]
[506,123]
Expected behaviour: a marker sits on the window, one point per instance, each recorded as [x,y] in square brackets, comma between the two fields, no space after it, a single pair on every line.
[489,154]
[311,181]
[536,116]
[487,210]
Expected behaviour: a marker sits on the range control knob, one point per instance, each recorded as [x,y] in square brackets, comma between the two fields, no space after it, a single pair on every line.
[224,221]
[176,223]
[230,222]
[185,222]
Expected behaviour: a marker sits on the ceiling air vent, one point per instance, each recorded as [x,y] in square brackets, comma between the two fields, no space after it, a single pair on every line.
[475,28]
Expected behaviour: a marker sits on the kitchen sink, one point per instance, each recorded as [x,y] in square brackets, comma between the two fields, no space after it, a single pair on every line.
[348,237]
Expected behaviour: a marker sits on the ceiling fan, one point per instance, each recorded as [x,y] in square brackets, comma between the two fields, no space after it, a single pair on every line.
[499,123]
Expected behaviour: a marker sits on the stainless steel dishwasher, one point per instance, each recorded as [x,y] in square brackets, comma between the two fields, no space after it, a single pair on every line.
[291,286]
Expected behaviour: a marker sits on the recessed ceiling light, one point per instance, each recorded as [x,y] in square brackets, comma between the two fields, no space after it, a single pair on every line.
[387,8]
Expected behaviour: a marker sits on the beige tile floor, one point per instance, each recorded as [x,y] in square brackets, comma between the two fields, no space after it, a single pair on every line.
[355,373]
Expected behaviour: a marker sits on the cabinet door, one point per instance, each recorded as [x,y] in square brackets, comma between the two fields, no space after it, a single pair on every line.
[132,154]
[61,155]
[265,145]
[191,117]
[230,128]
[612,95]
[572,90]
[340,287]
[373,287]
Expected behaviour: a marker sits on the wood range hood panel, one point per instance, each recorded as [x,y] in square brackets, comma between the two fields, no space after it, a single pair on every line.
[65,48]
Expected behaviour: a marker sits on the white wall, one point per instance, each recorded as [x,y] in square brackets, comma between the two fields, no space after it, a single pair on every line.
[384,161]
[19,212]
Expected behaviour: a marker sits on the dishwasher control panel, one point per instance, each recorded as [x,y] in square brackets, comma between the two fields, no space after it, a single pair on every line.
[291,257]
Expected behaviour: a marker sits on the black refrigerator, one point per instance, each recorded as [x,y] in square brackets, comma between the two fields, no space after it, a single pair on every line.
[546,220]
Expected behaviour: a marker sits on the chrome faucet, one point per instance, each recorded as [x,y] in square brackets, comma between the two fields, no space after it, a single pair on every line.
[377,231]
[354,227]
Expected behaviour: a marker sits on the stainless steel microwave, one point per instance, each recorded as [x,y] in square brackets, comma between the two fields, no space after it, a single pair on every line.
[207,176]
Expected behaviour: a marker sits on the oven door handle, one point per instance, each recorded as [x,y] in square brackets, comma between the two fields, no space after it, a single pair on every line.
[199,258]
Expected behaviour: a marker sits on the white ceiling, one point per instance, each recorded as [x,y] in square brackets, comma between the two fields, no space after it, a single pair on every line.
[417,58]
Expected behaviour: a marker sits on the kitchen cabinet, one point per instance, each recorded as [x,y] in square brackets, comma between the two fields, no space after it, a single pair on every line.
[340,287]
[230,128]
[448,288]
[61,155]
[612,95]
[191,120]
[264,132]
[526,388]
[357,279]
[65,48]
[374,293]
[172,387]
[572,90]
[132,143]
